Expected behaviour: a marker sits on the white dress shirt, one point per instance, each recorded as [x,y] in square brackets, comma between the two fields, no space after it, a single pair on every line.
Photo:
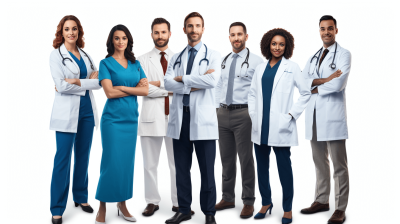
[242,80]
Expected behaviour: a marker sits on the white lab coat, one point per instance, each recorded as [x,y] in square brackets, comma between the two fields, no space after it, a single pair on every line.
[282,127]
[330,101]
[152,118]
[65,113]
[203,116]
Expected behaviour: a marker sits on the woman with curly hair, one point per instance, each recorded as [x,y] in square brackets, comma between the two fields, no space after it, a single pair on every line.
[123,79]
[74,115]
[274,115]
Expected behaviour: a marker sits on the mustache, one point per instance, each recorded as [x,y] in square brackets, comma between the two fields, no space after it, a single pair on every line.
[193,33]
[161,39]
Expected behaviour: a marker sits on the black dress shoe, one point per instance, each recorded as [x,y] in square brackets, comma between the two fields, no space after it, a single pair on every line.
[210,219]
[56,221]
[178,218]
[87,209]
[176,209]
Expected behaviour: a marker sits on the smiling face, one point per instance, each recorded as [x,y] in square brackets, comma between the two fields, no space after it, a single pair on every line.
[238,38]
[161,35]
[277,46]
[328,31]
[120,40]
[194,29]
[70,32]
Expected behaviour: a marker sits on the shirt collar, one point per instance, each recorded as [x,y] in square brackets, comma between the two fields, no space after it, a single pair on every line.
[158,51]
[197,47]
[241,54]
[330,47]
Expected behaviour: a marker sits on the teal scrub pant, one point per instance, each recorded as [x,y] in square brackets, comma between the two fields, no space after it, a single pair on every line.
[81,142]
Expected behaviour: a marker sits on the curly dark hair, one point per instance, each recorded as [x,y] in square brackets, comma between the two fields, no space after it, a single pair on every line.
[59,40]
[128,50]
[266,42]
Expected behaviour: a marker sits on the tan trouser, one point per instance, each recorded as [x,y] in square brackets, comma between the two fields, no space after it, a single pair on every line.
[337,150]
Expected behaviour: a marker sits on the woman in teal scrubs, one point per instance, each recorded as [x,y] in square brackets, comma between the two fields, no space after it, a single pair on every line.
[123,79]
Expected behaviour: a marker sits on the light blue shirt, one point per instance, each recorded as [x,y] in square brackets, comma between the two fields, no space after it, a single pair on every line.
[242,81]
[197,48]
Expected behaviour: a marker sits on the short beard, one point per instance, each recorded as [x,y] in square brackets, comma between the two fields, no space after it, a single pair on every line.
[160,46]
[241,47]
[193,40]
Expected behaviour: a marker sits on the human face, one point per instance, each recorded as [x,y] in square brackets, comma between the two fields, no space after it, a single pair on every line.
[277,46]
[194,29]
[328,31]
[120,40]
[70,32]
[238,38]
[161,35]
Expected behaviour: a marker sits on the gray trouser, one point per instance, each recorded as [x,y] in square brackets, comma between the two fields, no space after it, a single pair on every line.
[337,150]
[235,139]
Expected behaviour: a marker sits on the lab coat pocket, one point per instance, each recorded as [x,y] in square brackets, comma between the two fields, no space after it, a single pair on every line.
[62,107]
[335,112]
[285,123]
[148,115]
[206,115]
[285,83]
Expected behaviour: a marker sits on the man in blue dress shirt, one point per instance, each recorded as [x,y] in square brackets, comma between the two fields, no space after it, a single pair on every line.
[234,122]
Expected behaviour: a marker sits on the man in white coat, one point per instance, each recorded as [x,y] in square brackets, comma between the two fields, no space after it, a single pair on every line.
[153,121]
[326,120]
[192,75]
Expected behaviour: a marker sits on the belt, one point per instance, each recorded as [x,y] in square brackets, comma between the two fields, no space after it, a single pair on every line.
[234,106]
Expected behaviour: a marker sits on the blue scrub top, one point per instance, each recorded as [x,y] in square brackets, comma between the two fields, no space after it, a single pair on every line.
[85,104]
[267,83]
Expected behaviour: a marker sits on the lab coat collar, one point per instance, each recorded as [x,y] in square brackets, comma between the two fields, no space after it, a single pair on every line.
[328,58]
[280,72]
[155,59]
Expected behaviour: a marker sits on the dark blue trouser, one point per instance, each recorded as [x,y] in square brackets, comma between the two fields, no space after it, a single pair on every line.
[285,174]
[81,142]
[205,152]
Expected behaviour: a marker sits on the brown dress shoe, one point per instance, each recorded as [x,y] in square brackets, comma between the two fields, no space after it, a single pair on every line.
[224,205]
[315,207]
[247,211]
[150,209]
[338,217]
[176,209]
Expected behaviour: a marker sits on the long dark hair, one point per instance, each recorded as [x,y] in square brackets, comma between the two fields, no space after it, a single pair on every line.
[128,50]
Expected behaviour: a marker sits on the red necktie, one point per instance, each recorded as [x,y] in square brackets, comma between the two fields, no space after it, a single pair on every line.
[164,65]
[323,57]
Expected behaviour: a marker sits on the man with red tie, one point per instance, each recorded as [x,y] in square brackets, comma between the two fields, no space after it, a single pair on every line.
[153,121]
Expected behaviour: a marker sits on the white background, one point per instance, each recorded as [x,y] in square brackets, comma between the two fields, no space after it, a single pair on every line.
[369,29]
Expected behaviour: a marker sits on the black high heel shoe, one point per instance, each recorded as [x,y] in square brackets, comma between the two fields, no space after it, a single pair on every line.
[56,221]
[87,209]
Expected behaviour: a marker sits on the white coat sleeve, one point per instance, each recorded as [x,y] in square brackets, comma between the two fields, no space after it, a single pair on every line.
[169,82]
[207,81]
[154,91]
[338,84]
[253,93]
[90,84]
[58,77]
[304,89]
[218,92]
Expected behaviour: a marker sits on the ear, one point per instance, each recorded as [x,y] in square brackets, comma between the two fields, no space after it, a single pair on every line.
[247,36]
[184,30]
[337,30]
[170,34]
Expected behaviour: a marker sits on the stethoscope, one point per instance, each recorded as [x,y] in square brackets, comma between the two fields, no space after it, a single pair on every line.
[69,59]
[246,61]
[179,59]
[332,65]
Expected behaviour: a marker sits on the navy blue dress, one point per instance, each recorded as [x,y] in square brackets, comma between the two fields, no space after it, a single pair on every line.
[267,85]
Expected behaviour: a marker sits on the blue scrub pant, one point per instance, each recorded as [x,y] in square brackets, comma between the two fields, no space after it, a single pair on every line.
[205,152]
[285,174]
[81,142]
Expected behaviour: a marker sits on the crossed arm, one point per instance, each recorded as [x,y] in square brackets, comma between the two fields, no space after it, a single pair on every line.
[141,89]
